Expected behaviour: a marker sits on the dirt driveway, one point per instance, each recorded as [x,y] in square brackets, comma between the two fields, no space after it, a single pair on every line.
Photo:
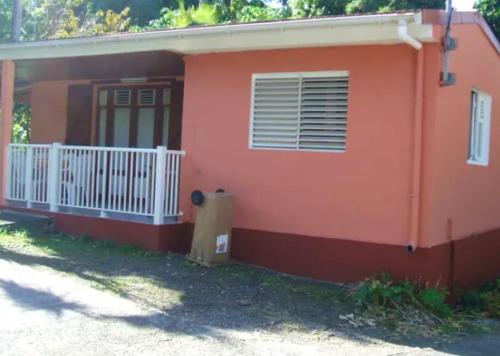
[60,298]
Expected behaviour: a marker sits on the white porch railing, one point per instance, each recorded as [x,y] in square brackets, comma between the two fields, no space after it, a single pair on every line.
[122,180]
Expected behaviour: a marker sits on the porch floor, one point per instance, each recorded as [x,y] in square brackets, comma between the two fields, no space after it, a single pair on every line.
[44,208]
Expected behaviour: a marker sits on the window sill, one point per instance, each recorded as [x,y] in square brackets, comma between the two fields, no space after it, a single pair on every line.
[477,163]
[283,149]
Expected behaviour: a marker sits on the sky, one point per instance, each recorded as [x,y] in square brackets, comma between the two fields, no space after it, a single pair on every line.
[463,5]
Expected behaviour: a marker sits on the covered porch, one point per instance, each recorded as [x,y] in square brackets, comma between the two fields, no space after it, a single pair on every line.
[105,136]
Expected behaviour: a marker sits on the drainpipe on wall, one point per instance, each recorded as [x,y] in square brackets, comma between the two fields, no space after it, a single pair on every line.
[417,155]
[449,44]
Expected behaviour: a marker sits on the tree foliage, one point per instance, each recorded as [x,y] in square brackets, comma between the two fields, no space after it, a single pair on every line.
[70,18]
[141,11]
[5,20]
[363,6]
[203,14]
[91,24]
[22,120]
[490,9]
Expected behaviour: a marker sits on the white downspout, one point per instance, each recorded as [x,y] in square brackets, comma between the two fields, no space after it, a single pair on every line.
[405,37]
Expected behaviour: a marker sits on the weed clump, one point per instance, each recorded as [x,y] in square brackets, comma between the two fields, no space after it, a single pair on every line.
[485,300]
[406,307]
[383,292]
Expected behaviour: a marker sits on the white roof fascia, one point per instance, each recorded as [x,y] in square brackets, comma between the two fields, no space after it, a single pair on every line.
[336,31]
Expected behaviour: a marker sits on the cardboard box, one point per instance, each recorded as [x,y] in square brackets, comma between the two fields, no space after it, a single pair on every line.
[212,232]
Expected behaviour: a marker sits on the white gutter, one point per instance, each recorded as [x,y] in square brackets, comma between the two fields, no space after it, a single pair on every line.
[332,31]
[405,37]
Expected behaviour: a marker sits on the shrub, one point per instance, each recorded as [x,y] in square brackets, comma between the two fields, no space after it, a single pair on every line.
[382,291]
[484,300]
[490,298]
[434,300]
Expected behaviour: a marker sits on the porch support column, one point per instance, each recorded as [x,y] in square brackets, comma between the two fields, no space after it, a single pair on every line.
[6,119]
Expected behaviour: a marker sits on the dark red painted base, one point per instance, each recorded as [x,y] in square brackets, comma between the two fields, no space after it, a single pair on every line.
[476,259]
[339,260]
[461,264]
[171,237]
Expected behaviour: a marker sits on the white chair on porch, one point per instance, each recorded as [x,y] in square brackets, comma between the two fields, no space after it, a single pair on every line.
[75,178]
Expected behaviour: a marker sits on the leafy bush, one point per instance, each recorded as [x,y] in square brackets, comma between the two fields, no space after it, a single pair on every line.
[485,300]
[491,302]
[434,300]
[382,291]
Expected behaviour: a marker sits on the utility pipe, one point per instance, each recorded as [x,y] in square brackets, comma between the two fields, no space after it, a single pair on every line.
[405,37]
[417,155]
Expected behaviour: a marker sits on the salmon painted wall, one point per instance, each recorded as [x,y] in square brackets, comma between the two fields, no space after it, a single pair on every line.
[362,194]
[49,111]
[467,195]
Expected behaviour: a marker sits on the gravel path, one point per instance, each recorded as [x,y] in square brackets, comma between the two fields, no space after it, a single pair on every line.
[44,312]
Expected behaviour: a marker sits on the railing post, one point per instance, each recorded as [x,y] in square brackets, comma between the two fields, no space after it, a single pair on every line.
[104,183]
[53,176]
[7,188]
[161,159]
[28,178]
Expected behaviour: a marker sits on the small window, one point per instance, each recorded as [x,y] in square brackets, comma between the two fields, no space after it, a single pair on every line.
[300,111]
[479,140]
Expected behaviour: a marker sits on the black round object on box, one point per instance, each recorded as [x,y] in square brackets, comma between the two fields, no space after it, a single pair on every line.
[197,197]
[220,190]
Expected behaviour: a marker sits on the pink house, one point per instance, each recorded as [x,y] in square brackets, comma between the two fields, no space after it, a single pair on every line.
[353,145]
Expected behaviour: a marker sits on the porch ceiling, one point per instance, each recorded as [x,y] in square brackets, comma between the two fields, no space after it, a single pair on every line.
[103,67]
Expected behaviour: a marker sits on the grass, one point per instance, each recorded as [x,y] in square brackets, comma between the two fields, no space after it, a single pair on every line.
[318,291]
[40,243]
[82,254]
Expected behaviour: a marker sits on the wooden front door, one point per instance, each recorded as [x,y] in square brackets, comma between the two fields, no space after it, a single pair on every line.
[79,124]
[134,116]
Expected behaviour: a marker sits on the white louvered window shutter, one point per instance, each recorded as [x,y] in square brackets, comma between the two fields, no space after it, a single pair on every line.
[479,143]
[275,112]
[146,97]
[300,111]
[122,97]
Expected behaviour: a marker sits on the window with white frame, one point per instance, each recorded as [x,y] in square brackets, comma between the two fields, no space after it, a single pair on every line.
[479,141]
[299,111]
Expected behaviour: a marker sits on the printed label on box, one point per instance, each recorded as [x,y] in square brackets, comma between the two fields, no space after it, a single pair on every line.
[222,243]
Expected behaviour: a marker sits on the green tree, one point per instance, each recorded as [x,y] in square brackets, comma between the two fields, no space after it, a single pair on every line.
[93,24]
[21,128]
[203,14]
[141,11]
[490,9]
[364,6]
[251,13]
[5,20]
[67,18]
[307,8]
